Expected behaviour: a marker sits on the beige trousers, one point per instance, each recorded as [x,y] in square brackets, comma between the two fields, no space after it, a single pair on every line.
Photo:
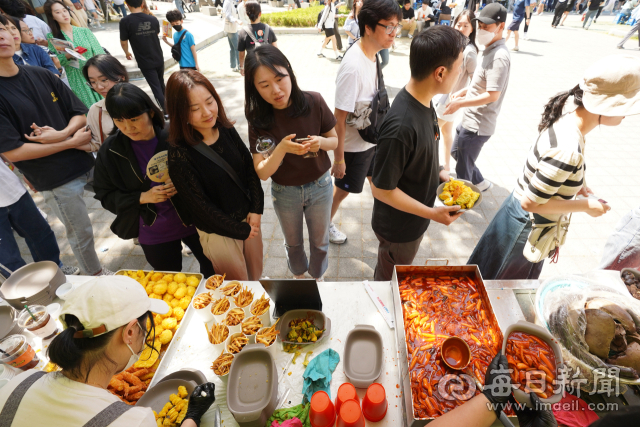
[238,259]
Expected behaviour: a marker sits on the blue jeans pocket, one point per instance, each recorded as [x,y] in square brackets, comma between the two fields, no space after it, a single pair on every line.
[277,187]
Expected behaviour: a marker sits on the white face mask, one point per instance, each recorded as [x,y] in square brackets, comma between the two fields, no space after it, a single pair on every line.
[484,37]
[134,357]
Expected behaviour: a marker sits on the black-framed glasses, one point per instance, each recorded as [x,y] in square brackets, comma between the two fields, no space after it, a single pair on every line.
[389,29]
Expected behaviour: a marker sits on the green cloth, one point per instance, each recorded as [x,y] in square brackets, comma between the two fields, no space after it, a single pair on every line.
[299,411]
[317,376]
[85,38]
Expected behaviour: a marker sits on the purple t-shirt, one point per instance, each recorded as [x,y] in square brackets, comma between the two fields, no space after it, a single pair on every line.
[168,226]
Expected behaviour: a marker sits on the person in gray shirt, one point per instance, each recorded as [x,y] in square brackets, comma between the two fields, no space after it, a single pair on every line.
[483,98]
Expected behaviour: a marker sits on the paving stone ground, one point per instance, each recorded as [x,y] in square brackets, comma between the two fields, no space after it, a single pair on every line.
[551,61]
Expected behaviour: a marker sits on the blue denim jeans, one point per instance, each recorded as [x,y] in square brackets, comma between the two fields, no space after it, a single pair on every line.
[498,254]
[178,4]
[466,148]
[384,58]
[67,204]
[121,8]
[313,202]
[23,217]
[234,56]
[622,249]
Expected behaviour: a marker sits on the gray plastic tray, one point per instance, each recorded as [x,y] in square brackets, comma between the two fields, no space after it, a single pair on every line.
[319,319]
[156,397]
[252,388]
[363,355]
[187,374]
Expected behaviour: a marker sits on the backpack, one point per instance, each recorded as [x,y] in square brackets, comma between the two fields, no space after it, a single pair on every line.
[176,51]
[265,37]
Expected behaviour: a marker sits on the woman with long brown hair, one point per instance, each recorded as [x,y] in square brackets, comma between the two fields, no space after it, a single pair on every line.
[212,169]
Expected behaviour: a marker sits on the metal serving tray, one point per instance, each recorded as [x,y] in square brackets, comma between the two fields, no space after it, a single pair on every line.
[401,272]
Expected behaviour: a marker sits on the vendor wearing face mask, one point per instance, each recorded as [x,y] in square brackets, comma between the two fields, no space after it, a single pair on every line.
[105,322]
[482,99]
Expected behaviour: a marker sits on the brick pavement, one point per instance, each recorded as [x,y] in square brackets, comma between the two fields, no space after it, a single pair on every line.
[552,61]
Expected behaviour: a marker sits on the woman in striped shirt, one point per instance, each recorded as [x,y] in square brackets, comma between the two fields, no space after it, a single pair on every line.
[554,172]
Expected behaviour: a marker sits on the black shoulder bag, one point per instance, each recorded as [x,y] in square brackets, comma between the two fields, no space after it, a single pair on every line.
[176,52]
[208,152]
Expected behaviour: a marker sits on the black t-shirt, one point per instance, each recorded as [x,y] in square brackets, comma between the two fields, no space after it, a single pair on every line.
[406,158]
[408,14]
[595,4]
[246,43]
[141,30]
[36,95]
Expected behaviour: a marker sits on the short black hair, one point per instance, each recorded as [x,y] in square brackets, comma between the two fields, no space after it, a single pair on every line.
[435,47]
[374,10]
[3,20]
[14,8]
[253,10]
[108,66]
[407,1]
[173,15]
[126,101]
[134,3]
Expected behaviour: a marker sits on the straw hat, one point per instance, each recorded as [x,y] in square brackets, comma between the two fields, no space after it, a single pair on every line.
[612,86]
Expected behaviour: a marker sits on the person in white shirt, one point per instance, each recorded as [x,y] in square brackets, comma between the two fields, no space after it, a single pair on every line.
[424,16]
[91,10]
[351,23]
[327,19]
[356,84]
[106,321]
[231,28]
[242,14]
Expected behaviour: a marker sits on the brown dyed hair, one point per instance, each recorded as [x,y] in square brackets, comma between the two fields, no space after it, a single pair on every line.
[181,133]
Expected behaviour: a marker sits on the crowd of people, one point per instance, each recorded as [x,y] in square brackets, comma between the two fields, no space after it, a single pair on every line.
[96,131]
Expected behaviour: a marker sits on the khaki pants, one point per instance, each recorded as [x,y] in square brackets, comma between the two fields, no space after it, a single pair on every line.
[238,259]
[410,26]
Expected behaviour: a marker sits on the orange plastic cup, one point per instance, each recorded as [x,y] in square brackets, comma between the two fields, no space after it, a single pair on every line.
[346,392]
[322,412]
[350,414]
[374,403]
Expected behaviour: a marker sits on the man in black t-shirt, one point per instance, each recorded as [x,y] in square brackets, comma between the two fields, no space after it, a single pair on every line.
[406,169]
[258,33]
[42,124]
[142,31]
[408,19]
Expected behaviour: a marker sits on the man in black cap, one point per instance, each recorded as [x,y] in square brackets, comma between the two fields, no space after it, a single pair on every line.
[483,98]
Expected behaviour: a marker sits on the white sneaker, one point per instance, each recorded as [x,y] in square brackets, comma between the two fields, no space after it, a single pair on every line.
[484,185]
[105,272]
[69,270]
[410,36]
[336,236]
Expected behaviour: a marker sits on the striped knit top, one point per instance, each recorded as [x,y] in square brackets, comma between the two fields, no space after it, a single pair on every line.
[555,165]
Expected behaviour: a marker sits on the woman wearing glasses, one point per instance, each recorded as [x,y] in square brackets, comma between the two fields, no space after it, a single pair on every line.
[101,73]
[28,54]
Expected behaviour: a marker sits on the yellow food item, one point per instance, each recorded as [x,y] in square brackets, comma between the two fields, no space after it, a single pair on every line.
[167,298]
[182,392]
[193,281]
[457,193]
[181,292]
[156,276]
[159,422]
[144,282]
[157,319]
[149,289]
[172,288]
[178,313]
[174,302]
[154,296]
[169,323]
[160,288]
[165,409]
[159,329]
[169,313]
[168,278]
[180,278]
[149,356]
[183,412]
[191,291]
[165,336]
[184,302]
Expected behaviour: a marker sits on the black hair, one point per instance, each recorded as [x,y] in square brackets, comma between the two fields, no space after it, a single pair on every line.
[253,10]
[553,110]
[470,17]
[108,66]
[15,21]
[435,47]
[78,355]
[259,113]
[126,101]
[3,20]
[14,8]
[173,15]
[407,2]
[134,3]
[374,10]
[55,26]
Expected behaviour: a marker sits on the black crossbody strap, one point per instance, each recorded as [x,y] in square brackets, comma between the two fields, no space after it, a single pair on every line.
[108,415]
[208,152]
[182,36]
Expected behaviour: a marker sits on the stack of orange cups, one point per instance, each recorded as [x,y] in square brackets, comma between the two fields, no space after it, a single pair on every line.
[374,403]
[346,392]
[322,413]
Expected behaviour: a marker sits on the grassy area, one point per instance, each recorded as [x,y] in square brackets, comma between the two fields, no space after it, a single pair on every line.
[299,17]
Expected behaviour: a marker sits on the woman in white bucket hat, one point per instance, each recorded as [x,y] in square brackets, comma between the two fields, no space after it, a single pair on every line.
[554,172]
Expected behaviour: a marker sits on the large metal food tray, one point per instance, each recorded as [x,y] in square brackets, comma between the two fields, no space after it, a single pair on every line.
[400,272]
[166,356]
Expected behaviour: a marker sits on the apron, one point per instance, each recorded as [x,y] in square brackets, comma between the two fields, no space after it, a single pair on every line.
[102,419]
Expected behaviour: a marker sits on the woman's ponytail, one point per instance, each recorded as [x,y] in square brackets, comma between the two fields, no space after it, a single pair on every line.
[554,108]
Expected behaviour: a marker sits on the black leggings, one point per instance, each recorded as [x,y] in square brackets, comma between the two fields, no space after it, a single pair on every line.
[168,256]
[560,8]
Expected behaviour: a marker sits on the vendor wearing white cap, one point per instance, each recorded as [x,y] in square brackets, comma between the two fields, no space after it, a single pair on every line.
[554,172]
[105,333]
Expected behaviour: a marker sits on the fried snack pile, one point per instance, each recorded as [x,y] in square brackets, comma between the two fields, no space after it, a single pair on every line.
[260,306]
[234,317]
[244,297]
[267,336]
[218,334]
[237,343]
[131,384]
[231,288]
[215,281]
[533,363]
[303,330]
[222,364]
[435,308]
[220,306]
[202,300]
[174,410]
[251,325]
[456,193]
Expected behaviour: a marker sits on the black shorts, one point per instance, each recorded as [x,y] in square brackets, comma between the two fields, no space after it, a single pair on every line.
[359,166]
[515,25]
[328,32]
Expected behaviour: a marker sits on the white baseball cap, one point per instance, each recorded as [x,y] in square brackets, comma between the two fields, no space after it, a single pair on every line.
[611,86]
[107,303]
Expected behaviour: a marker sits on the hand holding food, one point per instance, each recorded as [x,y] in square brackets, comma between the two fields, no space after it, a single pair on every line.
[456,193]
[528,417]
[497,382]
[200,401]
[533,363]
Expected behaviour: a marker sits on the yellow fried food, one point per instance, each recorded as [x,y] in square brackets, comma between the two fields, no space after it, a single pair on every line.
[154,296]
[178,313]
[191,291]
[157,319]
[156,276]
[165,409]
[181,292]
[169,313]
[457,193]
[149,289]
[159,329]
[169,323]
[149,356]
[168,278]
[180,278]
[182,392]
[165,336]
[167,298]
[184,302]
[160,288]
[193,281]
[172,288]
[174,303]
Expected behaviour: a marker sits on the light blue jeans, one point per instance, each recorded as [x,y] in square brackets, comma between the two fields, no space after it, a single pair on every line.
[384,58]
[234,56]
[178,4]
[67,204]
[622,249]
[313,202]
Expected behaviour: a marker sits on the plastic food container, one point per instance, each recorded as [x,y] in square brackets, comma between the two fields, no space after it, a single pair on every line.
[319,320]
[252,388]
[157,396]
[363,355]
[544,335]
[322,413]
[17,352]
[374,403]
[439,202]
[44,325]
[63,290]
[8,321]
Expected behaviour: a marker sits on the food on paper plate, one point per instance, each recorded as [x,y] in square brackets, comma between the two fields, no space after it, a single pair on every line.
[237,343]
[174,411]
[303,330]
[220,306]
[533,364]
[251,325]
[267,336]
[219,333]
[215,281]
[244,297]
[202,300]
[222,364]
[235,316]
[231,288]
[457,193]
[260,306]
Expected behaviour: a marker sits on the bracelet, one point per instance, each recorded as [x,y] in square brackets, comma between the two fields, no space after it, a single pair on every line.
[339,163]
